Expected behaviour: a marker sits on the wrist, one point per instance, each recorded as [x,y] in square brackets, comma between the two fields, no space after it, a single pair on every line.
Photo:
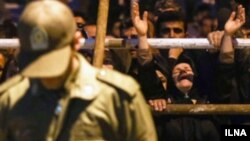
[143,42]
[173,56]
[228,34]
[143,37]
[228,37]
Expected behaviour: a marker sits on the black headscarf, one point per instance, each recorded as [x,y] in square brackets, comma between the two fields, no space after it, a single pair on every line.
[174,93]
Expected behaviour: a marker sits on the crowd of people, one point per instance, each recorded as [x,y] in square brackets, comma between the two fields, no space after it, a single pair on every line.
[220,75]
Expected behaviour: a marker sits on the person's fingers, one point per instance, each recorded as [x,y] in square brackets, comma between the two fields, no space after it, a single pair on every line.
[214,39]
[151,102]
[153,105]
[217,39]
[221,33]
[169,101]
[164,104]
[156,108]
[238,22]
[159,106]
[134,9]
[145,16]
[232,16]
[243,16]
[209,37]
[239,11]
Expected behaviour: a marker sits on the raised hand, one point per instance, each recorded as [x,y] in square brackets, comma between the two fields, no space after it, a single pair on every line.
[141,25]
[235,22]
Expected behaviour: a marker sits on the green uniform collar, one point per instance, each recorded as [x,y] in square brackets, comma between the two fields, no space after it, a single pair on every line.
[82,83]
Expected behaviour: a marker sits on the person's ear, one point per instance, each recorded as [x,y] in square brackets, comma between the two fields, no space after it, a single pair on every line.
[77,38]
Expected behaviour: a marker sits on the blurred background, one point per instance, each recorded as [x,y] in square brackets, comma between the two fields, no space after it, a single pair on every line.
[120,8]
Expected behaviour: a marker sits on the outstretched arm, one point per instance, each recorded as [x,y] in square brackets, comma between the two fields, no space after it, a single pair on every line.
[233,24]
[144,53]
[225,73]
[141,25]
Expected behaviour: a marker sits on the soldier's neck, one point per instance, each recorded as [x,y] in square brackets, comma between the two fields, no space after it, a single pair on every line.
[58,82]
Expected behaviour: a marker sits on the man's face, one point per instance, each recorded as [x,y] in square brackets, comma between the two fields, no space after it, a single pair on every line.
[79,20]
[130,33]
[207,25]
[173,29]
[183,77]
[91,30]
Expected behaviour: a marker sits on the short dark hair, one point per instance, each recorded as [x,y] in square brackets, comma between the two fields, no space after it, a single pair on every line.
[164,5]
[80,14]
[126,23]
[8,29]
[170,16]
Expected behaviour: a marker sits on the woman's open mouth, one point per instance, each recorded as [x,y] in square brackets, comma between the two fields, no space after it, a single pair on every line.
[185,76]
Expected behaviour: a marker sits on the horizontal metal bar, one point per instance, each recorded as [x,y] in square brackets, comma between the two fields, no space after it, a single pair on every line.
[206,109]
[9,43]
[161,43]
[188,43]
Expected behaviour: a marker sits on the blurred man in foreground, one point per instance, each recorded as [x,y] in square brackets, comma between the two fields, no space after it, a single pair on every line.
[59,96]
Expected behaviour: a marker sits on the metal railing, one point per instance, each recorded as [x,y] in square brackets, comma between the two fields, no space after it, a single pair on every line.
[193,43]
[205,109]
[188,43]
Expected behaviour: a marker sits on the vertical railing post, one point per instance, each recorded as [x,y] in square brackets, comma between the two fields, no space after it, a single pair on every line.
[101,32]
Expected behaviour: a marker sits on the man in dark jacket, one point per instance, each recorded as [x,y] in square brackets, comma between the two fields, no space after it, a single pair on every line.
[233,75]
[181,86]
[170,24]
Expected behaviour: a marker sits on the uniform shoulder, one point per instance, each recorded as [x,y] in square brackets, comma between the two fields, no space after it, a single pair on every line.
[11,83]
[118,80]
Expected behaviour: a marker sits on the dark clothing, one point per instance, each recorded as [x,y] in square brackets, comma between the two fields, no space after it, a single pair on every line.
[188,128]
[243,74]
[235,78]
[174,128]
[226,84]
[206,66]
[10,69]
[151,84]
[233,83]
